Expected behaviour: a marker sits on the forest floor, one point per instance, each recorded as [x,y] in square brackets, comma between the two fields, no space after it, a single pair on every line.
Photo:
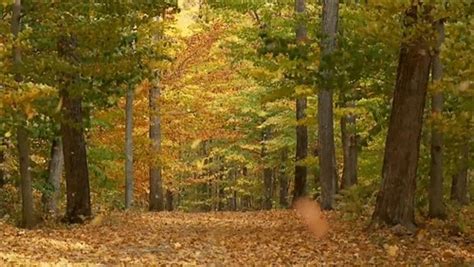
[230,238]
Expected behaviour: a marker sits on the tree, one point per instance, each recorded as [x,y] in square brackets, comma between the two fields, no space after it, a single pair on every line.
[156,197]
[396,199]
[327,155]
[267,172]
[459,186]
[78,206]
[283,178]
[435,194]
[23,141]
[129,181]
[55,171]
[301,129]
[349,148]
[2,171]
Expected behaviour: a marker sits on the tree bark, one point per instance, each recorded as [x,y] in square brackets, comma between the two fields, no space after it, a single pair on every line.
[169,200]
[436,205]
[234,192]
[267,174]
[349,146]
[23,141]
[156,185]
[55,171]
[25,174]
[459,186]
[2,171]
[301,103]
[327,159]
[129,180]
[283,177]
[78,207]
[396,199]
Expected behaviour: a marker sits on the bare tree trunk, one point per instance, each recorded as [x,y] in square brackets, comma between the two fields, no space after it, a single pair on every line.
[349,145]
[459,187]
[2,170]
[129,180]
[327,159]
[55,171]
[169,200]
[396,198]
[436,205]
[78,207]
[267,174]
[301,103]
[283,177]
[234,192]
[156,184]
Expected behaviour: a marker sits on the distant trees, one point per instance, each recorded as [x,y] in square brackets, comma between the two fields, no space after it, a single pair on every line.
[240,88]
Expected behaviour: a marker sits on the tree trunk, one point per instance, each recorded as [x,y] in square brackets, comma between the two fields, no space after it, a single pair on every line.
[267,184]
[169,200]
[396,198]
[2,170]
[301,103]
[349,146]
[55,171]
[283,177]
[327,159]
[23,141]
[267,174]
[156,185]
[436,205]
[459,187]
[78,206]
[233,199]
[25,174]
[129,180]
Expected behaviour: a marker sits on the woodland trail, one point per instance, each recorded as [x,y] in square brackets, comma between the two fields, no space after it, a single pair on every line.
[227,238]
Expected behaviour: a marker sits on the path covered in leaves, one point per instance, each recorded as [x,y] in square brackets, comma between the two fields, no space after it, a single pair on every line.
[245,238]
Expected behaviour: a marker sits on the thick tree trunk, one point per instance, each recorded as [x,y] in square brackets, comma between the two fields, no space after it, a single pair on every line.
[349,146]
[459,186]
[283,177]
[301,130]
[129,180]
[78,206]
[327,158]
[436,205]
[396,198]
[55,171]
[156,185]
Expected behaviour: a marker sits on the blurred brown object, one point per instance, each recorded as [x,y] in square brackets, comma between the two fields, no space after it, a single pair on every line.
[310,211]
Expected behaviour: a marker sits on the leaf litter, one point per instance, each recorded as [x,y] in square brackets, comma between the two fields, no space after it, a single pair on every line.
[305,235]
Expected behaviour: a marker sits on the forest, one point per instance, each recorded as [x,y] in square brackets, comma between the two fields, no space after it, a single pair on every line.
[236,132]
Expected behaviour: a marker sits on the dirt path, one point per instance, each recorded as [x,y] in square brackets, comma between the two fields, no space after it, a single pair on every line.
[250,238]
